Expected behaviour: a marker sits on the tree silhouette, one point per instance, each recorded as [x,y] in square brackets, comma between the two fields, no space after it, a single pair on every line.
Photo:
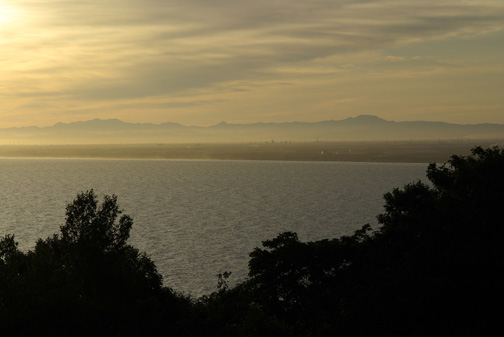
[434,266]
[91,224]
[86,281]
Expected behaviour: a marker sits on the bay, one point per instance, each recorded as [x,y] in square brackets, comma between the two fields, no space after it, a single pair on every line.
[197,218]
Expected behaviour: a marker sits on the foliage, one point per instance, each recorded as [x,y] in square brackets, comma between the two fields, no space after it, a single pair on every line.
[90,224]
[86,281]
[434,267]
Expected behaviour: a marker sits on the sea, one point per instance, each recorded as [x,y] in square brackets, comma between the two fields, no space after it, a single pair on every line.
[199,218]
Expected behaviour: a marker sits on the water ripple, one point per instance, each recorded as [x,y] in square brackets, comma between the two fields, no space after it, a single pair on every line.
[199,218]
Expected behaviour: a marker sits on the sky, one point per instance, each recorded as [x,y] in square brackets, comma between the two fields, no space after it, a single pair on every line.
[200,62]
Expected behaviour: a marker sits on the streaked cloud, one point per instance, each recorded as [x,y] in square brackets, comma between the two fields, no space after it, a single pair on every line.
[200,62]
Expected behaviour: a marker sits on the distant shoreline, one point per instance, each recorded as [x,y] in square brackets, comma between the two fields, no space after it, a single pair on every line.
[391,151]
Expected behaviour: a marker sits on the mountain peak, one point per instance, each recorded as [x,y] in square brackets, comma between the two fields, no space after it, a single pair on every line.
[369,118]
[221,124]
[103,121]
[365,119]
[92,122]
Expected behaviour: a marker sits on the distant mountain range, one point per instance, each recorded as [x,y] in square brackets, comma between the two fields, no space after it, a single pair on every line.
[364,127]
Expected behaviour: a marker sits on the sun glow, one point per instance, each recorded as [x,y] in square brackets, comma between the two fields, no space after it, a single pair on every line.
[7,14]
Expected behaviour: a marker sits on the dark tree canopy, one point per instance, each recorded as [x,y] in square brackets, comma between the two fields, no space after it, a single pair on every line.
[86,281]
[434,266]
[89,222]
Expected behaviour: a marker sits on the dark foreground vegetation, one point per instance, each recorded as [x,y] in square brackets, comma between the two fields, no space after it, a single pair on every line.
[433,268]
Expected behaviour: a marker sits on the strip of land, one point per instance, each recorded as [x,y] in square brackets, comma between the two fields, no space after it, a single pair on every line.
[406,151]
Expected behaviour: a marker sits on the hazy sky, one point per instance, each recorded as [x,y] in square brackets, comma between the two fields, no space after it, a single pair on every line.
[199,62]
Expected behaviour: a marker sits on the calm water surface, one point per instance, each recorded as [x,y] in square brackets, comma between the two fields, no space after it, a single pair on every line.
[199,218]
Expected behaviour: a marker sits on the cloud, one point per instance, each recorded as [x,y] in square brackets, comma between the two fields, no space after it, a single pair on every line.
[94,50]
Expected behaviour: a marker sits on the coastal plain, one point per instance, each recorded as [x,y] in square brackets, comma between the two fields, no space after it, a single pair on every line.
[386,151]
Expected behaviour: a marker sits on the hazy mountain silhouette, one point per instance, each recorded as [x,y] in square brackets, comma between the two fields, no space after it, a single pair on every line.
[363,127]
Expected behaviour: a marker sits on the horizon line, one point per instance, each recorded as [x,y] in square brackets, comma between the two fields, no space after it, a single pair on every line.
[250,123]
